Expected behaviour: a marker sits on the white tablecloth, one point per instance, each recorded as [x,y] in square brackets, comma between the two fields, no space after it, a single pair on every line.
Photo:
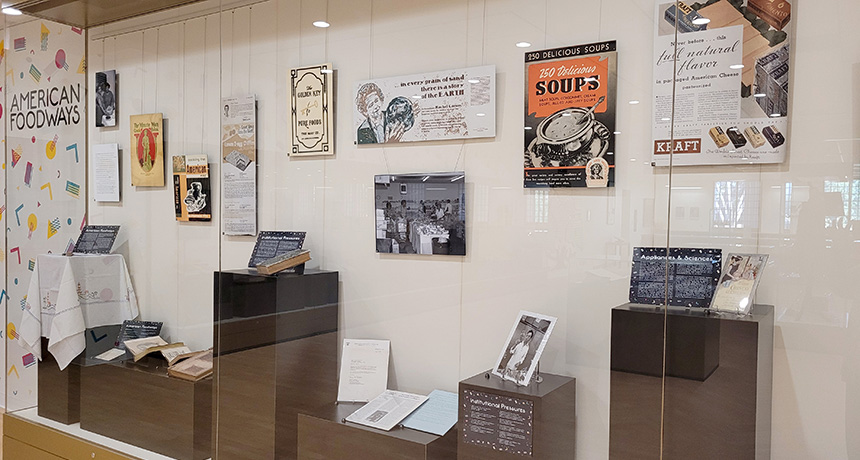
[67,295]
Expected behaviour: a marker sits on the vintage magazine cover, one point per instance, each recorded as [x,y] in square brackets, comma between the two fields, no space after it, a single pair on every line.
[738,283]
[147,150]
[191,191]
[570,116]
[239,164]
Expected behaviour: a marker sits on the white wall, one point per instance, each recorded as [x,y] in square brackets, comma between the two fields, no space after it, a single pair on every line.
[560,252]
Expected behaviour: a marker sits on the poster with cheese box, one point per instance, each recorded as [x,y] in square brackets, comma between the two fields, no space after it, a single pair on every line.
[721,88]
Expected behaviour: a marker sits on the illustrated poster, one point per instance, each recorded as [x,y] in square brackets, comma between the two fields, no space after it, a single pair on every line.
[450,104]
[239,164]
[570,117]
[147,150]
[191,190]
[731,82]
[312,110]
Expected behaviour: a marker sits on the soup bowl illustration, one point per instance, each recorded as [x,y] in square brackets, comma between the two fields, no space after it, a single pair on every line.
[569,137]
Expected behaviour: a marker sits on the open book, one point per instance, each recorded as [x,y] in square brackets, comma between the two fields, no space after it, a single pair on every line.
[194,368]
[144,346]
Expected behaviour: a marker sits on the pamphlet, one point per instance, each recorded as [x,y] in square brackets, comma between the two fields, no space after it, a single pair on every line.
[435,416]
[363,370]
[387,409]
[195,368]
[738,283]
[142,347]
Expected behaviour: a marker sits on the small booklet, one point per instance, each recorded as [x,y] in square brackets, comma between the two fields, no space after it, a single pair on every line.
[387,409]
[142,347]
[194,367]
[284,261]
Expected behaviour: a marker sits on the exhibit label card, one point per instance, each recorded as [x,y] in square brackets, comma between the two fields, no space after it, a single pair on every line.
[106,172]
[312,110]
[728,81]
[738,283]
[570,116]
[387,409]
[498,422]
[147,150]
[96,239]
[450,104]
[363,369]
[693,275]
[239,164]
[437,415]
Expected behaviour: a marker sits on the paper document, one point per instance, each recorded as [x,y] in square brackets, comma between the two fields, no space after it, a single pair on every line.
[387,409]
[111,354]
[363,370]
[105,173]
[435,416]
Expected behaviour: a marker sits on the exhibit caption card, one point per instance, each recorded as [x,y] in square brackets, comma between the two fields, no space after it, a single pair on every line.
[96,239]
[363,369]
[693,275]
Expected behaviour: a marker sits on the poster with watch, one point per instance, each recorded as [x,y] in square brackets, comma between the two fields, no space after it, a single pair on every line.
[570,117]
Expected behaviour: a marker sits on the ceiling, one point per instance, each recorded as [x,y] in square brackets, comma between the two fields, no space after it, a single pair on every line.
[89,13]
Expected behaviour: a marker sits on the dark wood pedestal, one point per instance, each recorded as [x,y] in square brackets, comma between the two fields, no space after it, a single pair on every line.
[324,435]
[727,414]
[276,341]
[502,421]
[139,404]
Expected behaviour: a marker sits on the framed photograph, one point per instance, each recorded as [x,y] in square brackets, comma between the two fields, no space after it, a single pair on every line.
[421,213]
[106,97]
[738,283]
[528,337]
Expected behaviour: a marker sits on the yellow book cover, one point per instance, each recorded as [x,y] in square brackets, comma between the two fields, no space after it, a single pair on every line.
[147,150]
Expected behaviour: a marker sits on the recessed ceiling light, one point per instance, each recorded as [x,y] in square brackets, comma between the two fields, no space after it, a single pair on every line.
[523,44]
[566,114]
[633,102]
[701,21]
[481,114]
[759,95]
[474,80]
[10,11]
[736,66]
[416,97]
[617,133]
[633,159]
[527,128]
[776,114]
[327,71]
[665,119]
[321,24]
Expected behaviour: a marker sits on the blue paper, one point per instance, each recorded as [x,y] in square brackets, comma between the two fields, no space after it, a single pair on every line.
[437,415]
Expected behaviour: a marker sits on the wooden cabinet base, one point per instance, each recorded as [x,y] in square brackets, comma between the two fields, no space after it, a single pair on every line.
[324,435]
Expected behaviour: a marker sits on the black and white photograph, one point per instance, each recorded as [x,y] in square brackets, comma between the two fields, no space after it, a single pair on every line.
[421,213]
[524,346]
[106,98]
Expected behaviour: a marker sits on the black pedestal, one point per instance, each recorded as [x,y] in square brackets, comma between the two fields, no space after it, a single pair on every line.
[725,414]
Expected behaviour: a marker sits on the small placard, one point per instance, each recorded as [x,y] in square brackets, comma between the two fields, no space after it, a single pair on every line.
[272,244]
[96,239]
[693,275]
[498,422]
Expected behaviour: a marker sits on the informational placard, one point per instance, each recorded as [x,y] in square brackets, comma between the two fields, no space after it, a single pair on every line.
[132,329]
[693,276]
[239,165]
[363,369]
[273,244]
[498,422]
[725,82]
[450,104]
[147,150]
[96,239]
[738,283]
[192,198]
[387,410]
[570,116]
[105,172]
[312,110]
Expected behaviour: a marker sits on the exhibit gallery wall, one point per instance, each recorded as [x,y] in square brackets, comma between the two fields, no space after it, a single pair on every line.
[597,231]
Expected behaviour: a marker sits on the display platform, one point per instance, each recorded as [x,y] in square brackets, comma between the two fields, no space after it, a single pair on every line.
[502,421]
[276,347]
[324,434]
[137,403]
[725,415]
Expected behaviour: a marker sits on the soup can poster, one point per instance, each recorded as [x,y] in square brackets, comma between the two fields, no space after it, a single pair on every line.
[570,116]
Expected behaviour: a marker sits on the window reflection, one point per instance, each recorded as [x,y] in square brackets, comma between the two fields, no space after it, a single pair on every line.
[736,204]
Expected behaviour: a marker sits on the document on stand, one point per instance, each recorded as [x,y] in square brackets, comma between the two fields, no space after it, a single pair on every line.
[363,370]
[435,416]
[387,409]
